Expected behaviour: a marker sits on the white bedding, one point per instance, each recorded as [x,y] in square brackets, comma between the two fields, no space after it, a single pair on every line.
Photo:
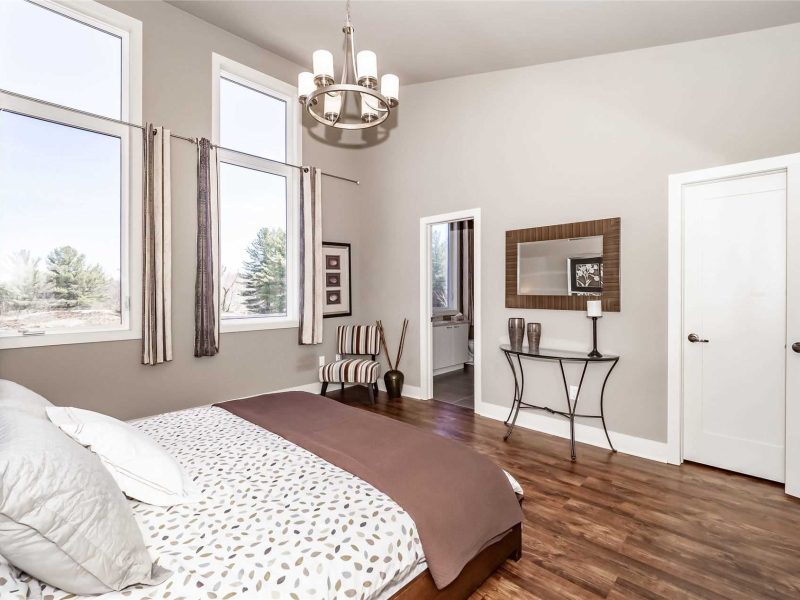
[277,522]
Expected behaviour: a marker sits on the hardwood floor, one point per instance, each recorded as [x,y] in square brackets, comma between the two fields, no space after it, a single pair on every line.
[616,526]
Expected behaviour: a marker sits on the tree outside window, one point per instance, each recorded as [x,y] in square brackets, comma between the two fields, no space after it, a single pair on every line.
[440,250]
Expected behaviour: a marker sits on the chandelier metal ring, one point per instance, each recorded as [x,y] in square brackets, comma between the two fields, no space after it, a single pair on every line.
[383,107]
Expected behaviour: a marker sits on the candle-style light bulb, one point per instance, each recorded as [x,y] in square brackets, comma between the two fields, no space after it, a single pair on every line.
[368,111]
[323,66]
[367,67]
[390,88]
[305,84]
[332,106]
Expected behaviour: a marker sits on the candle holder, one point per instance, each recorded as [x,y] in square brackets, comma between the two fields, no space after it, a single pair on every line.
[594,310]
[594,353]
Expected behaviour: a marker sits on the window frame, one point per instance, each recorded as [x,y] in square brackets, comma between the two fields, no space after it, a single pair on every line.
[129,30]
[226,68]
[453,288]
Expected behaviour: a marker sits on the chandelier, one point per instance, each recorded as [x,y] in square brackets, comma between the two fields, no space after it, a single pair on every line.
[326,100]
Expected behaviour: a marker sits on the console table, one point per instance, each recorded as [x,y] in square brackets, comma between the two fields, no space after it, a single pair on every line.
[560,356]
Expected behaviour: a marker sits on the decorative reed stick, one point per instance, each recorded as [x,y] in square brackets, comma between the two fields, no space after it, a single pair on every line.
[402,344]
[383,344]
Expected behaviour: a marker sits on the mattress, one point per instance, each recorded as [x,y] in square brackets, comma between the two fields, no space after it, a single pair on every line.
[276,522]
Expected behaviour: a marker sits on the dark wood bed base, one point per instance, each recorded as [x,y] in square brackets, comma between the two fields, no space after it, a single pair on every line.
[473,575]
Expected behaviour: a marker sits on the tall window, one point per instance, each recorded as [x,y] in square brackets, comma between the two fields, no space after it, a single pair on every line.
[256,125]
[65,177]
[444,268]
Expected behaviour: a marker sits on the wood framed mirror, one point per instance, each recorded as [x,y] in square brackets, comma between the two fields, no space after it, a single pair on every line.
[560,267]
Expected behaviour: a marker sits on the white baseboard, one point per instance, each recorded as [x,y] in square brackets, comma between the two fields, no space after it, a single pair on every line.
[586,434]
[450,369]
[409,391]
[312,388]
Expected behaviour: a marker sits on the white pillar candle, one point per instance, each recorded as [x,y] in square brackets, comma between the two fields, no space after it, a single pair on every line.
[305,84]
[323,63]
[333,105]
[368,110]
[390,86]
[594,308]
[367,64]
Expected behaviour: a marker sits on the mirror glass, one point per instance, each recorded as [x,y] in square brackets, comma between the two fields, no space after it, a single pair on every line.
[568,267]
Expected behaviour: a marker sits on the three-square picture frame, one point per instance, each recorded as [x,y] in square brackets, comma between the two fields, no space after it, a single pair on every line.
[337,301]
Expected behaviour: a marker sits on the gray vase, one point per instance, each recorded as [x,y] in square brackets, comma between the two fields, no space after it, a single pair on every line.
[534,336]
[516,331]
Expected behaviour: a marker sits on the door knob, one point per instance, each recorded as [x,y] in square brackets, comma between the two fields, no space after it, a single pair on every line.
[694,338]
[796,347]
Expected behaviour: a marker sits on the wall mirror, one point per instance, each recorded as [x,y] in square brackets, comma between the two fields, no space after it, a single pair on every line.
[560,267]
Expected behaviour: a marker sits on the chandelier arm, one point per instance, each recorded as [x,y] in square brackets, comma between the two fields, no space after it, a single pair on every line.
[353,67]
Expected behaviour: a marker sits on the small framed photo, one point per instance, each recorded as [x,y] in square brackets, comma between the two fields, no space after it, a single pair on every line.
[338,285]
[585,275]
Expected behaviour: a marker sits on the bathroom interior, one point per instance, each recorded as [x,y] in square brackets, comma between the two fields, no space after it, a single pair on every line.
[452,267]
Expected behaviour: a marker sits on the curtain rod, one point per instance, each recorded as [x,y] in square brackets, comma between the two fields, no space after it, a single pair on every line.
[137,126]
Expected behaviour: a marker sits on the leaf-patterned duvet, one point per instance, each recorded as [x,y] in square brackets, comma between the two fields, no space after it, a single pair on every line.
[277,522]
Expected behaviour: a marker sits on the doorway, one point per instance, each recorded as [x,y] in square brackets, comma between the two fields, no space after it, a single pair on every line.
[450,308]
[733,297]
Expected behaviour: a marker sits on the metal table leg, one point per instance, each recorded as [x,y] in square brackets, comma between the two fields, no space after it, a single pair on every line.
[516,388]
[602,414]
[572,406]
[519,389]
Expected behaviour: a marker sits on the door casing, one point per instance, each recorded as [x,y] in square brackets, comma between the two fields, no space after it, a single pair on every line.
[426,311]
[675,326]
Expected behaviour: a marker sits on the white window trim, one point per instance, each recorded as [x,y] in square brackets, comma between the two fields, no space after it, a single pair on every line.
[271,86]
[130,31]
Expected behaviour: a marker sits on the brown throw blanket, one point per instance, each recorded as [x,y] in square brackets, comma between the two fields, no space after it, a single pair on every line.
[460,501]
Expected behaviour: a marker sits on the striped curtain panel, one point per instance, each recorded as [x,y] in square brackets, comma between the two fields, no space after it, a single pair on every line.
[206,298]
[311,267]
[156,248]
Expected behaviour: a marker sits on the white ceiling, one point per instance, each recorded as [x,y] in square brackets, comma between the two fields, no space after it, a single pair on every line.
[429,40]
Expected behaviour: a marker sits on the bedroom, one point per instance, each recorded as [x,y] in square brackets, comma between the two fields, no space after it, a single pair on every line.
[517,115]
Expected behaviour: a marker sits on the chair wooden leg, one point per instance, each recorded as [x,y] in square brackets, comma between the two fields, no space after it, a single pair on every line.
[342,386]
[375,385]
[324,388]
[371,393]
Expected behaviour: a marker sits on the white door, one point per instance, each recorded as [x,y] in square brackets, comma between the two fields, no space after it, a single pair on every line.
[734,355]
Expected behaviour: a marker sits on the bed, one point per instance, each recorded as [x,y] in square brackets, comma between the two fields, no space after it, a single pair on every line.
[276,521]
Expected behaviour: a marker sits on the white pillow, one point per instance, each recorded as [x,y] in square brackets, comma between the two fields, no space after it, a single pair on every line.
[14,395]
[63,519]
[141,468]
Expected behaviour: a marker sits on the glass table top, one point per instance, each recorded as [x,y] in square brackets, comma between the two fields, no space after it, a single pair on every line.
[553,354]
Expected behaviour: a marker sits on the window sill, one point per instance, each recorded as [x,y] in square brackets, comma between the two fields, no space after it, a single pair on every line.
[9,341]
[444,312]
[236,325]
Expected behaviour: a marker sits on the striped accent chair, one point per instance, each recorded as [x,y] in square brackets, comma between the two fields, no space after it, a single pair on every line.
[352,342]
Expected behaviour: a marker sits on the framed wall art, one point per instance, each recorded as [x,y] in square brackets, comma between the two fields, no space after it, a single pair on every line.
[338,285]
[585,275]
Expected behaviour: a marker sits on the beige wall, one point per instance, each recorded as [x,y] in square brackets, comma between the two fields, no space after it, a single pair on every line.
[572,141]
[107,376]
